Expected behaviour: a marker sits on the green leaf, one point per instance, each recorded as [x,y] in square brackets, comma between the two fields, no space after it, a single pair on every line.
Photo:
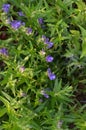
[41,107]
[83,32]
[6,103]
[3,110]
[57,85]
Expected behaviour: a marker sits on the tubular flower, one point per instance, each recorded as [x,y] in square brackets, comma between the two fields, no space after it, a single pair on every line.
[44,94]
[20,13]
[46,41]
[6,8]
[50,45]
[29,30]
[51,75]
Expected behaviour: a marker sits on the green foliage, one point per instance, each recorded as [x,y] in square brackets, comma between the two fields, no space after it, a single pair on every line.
[29,99]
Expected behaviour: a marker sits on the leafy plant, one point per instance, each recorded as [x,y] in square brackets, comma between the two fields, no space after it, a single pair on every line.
[42,65]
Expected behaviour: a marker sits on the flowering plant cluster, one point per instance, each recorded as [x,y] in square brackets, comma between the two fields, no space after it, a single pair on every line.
[42,65]
[16,24]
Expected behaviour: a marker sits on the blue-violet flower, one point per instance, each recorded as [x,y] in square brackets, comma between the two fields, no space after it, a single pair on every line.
[6,8]
[16,24]
[51,75]
[44,94]
[40,20]
[43,37]
[20,13]
[49,58]
[46,41]
[50,45]
[29,30]
[4,51]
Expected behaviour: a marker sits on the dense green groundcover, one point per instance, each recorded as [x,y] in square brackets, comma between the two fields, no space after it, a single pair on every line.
[42,65]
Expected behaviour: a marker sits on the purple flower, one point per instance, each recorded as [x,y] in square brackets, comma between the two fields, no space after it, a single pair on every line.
[16,24]
[49,58]
[44,94]
[23,23]
[29,30]
[40,20]
[51,75]
[49,70]
[6,8]
[20,13]
[4,51]
[46,41]
[50,44]
[43,37]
